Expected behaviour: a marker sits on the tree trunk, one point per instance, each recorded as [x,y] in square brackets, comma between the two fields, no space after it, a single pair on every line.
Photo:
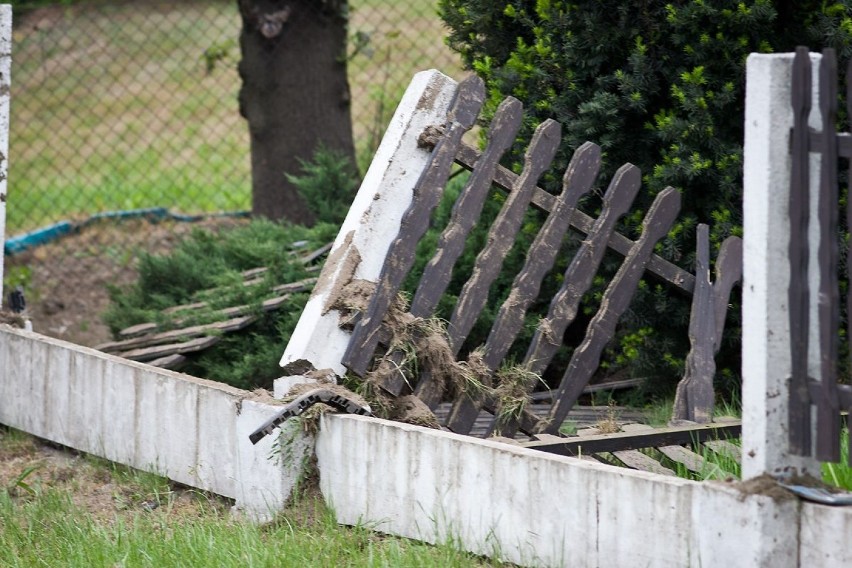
[294,95]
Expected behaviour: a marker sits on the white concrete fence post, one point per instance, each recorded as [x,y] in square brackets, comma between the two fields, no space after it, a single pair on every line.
[5,84]
[766,272]
[371,225]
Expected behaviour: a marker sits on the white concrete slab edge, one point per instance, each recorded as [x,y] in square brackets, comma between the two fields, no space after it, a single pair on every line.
[536,509]
[372,223]
[190,430]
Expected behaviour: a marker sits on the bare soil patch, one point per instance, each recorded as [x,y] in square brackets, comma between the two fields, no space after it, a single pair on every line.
[30,466]
[67,288]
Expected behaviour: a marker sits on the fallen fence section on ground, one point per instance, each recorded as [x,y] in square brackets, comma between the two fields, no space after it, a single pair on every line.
[488,497]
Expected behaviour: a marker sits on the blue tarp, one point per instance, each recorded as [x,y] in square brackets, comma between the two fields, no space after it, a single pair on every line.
[32,239]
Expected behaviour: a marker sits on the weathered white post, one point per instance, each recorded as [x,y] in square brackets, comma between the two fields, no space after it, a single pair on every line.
[5,83]
[766,341]
[370,227]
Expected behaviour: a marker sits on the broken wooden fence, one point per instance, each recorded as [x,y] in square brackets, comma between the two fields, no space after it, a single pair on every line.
[562,214]
[822,393]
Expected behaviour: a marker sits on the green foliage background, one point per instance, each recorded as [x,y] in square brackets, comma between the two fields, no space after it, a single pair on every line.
[660,85]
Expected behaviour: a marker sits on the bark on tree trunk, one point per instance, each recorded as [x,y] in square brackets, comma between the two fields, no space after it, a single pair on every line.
[294,95]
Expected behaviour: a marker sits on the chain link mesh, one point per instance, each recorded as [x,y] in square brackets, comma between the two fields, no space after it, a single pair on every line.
[119,107]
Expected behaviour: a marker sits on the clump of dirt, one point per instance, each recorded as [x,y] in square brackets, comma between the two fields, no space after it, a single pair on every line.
[764,485]
[416,346]
[513,385]
[411,410]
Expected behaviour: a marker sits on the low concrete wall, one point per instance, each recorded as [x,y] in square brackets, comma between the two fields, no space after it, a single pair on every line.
[524,506]
[532,508]
[190,430]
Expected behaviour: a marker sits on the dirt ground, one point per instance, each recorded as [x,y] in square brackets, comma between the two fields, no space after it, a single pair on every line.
[29,465]
[66,281]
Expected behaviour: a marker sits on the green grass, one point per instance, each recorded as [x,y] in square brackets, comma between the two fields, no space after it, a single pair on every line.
[114,108]
[149,522]
[49,530]
[722,467]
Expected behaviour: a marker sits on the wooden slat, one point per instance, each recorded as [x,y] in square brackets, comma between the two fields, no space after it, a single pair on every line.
[581,271]
[505,179]
[185,333]
[631,441]
[414,223]
[581,416]
[798,294]
[489,261]
[150,353]
[694,396]
[634,459]
[828,303]
[678,454]
[502,234]
[725,448]
[235,311]
[597,387]
[168,362]
[466,213]
[576,182]
[138,329]
[616,299]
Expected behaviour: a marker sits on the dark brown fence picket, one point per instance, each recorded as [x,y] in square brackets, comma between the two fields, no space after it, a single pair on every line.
[584,362]
[577,181]
[828,422]
[501,237]
[798,293]
[415,222]
[729,271]
[581,272]
[694,396]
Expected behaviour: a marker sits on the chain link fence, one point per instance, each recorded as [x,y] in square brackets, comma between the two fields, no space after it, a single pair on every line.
[125,126]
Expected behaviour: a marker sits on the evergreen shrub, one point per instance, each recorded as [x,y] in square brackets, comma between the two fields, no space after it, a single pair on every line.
[207,267]
[658,84]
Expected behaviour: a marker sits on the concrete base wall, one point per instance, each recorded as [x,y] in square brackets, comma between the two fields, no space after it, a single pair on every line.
[536,509]
[190,430]
[523,506]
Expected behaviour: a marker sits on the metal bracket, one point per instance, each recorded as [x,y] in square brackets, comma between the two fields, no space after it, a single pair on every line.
[304,402]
